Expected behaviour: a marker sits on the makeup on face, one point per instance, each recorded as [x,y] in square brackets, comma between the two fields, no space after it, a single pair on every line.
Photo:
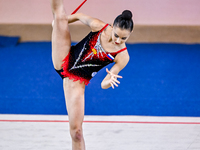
[120,35]
[117,36]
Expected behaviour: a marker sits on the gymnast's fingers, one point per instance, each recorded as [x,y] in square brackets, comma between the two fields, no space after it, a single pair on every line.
[113,82]
[112,74]
[108,71]
[118,76]
[112,85]
[116,80]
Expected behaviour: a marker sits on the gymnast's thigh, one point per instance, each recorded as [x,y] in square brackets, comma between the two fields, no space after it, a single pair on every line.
[75,100]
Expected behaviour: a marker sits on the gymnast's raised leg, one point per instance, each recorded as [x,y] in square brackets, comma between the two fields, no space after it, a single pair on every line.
[61,40]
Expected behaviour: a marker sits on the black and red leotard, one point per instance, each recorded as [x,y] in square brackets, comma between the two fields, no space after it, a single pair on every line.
[86,58]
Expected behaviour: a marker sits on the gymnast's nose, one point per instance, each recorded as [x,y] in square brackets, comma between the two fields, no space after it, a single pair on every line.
[118,41]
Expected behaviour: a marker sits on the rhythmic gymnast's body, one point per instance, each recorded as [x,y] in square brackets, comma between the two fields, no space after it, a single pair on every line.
[78,64]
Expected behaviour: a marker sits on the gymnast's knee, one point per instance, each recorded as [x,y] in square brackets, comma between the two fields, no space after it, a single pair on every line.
[76,134]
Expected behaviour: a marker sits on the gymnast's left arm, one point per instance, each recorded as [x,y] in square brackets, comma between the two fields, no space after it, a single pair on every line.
[121,60]
[94,23]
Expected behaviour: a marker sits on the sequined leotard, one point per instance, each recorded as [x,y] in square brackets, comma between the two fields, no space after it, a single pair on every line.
[86,58]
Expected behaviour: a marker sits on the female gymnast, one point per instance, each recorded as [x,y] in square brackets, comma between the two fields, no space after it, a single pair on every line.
[78,64]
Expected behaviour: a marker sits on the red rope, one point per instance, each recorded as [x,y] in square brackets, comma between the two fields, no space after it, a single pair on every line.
[78,7]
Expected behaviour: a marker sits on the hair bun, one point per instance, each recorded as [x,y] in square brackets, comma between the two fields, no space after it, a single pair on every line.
[127,15]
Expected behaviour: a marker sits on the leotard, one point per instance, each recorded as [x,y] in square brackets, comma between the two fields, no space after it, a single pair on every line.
[86,58]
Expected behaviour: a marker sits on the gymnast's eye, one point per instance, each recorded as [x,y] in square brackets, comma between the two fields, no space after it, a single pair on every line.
[124,38]
[116,35]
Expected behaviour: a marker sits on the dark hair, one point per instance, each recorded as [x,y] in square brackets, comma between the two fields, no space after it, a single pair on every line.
[124,21]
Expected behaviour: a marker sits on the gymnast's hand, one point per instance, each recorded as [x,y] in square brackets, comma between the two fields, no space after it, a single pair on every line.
[113,78]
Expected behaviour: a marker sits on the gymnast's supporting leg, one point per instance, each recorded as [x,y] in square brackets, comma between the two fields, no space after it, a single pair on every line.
[61,39]
[74,96]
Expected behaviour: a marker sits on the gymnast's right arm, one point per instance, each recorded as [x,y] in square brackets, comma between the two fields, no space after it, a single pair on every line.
[93,23]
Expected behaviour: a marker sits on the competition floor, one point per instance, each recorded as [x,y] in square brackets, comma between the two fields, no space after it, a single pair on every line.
[51,132]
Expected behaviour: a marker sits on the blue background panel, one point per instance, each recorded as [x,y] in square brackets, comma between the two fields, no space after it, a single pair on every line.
[159,80]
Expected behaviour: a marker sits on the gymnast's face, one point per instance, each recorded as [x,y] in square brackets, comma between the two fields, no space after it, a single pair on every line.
[120,36]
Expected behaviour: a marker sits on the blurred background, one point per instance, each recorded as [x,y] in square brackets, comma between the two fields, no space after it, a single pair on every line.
[161,79]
